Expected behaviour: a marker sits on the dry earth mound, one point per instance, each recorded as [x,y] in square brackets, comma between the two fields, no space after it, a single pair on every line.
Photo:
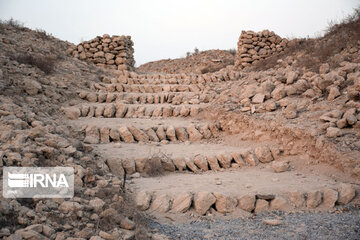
[198,62]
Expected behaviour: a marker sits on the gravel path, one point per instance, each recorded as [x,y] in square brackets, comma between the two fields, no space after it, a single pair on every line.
[294,226]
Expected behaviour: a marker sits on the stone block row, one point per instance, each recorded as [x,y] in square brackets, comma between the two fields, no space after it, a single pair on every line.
[147,98]
[202,202]
[148,88]
[197,163]
[125,77]
[120,110]
[132,134]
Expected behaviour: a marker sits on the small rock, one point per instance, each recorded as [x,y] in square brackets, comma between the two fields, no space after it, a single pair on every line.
[314,199]
[272,222]
[291,111]
[203,201]
[263,153]
[261,205]
[346,194]
[201,162]
[280,166]
[127,224]
[96,204]
[330,197]
[279,203]
[182,203]
[332,132]
[224,204]
[258,98]
[247,202]
[161,203]
[72,113]
[333,93]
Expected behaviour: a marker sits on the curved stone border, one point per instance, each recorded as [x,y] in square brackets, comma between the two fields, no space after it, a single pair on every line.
[196,164]
[131,134]
[121,110]
[126,77]
[147,98]
[201,202]
[147,88]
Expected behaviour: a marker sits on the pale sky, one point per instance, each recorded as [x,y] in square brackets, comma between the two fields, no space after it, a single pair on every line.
[164,29]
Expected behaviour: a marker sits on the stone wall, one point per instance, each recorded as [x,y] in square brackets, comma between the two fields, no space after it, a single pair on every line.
[253,47]
[114,52]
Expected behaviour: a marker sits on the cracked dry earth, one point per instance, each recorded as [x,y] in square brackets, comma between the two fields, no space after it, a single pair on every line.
[194,179]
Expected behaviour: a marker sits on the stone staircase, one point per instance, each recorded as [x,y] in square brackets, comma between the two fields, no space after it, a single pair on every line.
[154,130]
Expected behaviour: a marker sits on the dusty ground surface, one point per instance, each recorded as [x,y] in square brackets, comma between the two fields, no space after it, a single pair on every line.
[294,226]
[202,62]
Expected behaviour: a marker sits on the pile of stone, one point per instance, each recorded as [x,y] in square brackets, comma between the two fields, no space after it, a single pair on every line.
[114,52]
[253,47]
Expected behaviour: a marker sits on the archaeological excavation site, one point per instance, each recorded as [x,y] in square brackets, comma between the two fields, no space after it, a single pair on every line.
[262,142]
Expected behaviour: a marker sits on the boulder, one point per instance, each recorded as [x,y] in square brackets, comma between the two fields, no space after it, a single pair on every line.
[152,135]
[114,135]
[346,194]
[250,158]
[72,113]
[238,159]
[280,166]
[313,199]
[263,153]
[330,197]
[99,110]
[191,165]
[126,135]
[290,111]
[105,135]
[129,166]
[179,163]
[279,203]
[142,200]
[258,98]
[224,204]
[333,132]
[181,134]
[109,110]
[181,202]
[160,132]
[32,87]
[205,131]
[203,201]
[170,133]
[333,93]
[296,199]
[121,110]
[247,202]
[115,166]
[161,203]
[224,160]
[261,205]
[213,163]
[167,164]
[194,134]
[140,164]
[278,93]
[96,204]
[92,134]
[201,162]
[138,134]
